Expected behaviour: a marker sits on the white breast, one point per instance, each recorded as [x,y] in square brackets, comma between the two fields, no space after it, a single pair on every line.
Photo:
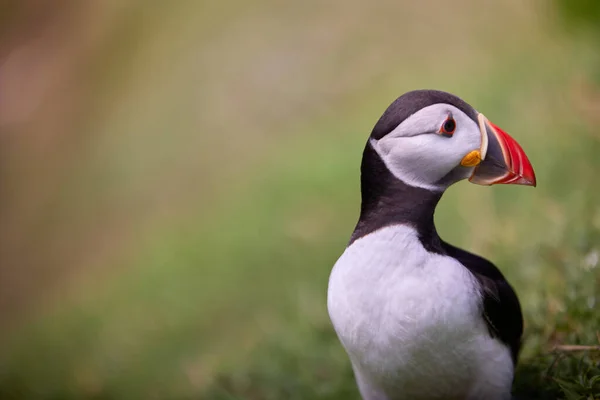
[411,322]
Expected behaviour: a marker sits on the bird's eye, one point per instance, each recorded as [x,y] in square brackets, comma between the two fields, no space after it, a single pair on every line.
[448,127]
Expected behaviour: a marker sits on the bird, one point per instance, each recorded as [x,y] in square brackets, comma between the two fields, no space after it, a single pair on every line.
[419,318]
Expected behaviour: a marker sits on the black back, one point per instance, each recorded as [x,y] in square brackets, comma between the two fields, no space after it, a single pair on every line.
[501,308]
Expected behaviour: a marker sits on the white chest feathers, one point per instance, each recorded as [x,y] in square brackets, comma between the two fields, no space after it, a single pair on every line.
[411,323]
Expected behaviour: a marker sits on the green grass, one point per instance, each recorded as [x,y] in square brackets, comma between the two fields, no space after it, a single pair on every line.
[228,301]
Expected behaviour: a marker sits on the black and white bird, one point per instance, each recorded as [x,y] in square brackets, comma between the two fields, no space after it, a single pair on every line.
[419,318]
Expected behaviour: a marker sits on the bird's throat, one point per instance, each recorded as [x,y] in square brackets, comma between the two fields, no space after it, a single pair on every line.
[387,200]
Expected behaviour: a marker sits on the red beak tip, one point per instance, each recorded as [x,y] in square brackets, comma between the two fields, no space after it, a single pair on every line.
[529,175]
[533,183]
[528,182]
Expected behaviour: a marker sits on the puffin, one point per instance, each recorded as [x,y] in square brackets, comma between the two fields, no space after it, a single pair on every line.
[419,318]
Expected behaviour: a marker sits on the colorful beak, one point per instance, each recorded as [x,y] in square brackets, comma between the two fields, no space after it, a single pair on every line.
[502,158]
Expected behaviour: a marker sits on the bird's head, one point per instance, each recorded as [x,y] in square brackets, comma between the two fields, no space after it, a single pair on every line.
[432,139]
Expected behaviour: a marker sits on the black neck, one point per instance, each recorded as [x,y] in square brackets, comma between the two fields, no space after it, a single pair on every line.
[386,200]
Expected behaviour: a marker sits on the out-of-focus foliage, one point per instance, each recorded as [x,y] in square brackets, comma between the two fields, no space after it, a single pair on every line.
[582,17]
[580,13]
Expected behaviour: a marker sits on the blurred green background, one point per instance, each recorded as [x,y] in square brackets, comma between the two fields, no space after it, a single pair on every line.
[178,178]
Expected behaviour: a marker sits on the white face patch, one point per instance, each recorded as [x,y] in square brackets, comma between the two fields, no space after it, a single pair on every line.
[416,153]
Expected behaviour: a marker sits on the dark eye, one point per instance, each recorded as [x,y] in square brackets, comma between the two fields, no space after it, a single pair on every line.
[448,127]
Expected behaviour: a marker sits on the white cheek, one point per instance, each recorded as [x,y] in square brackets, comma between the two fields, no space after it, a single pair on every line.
[412,160]
[450,151]
[423,160]
[433,156]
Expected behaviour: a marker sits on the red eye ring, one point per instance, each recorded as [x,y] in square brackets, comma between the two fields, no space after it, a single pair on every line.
[448,127]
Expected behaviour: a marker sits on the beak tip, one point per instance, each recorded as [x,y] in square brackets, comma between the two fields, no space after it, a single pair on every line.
[528,174]
[527,178]
[533,183]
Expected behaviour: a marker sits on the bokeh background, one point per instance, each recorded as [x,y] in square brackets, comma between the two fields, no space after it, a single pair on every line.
[177,179]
